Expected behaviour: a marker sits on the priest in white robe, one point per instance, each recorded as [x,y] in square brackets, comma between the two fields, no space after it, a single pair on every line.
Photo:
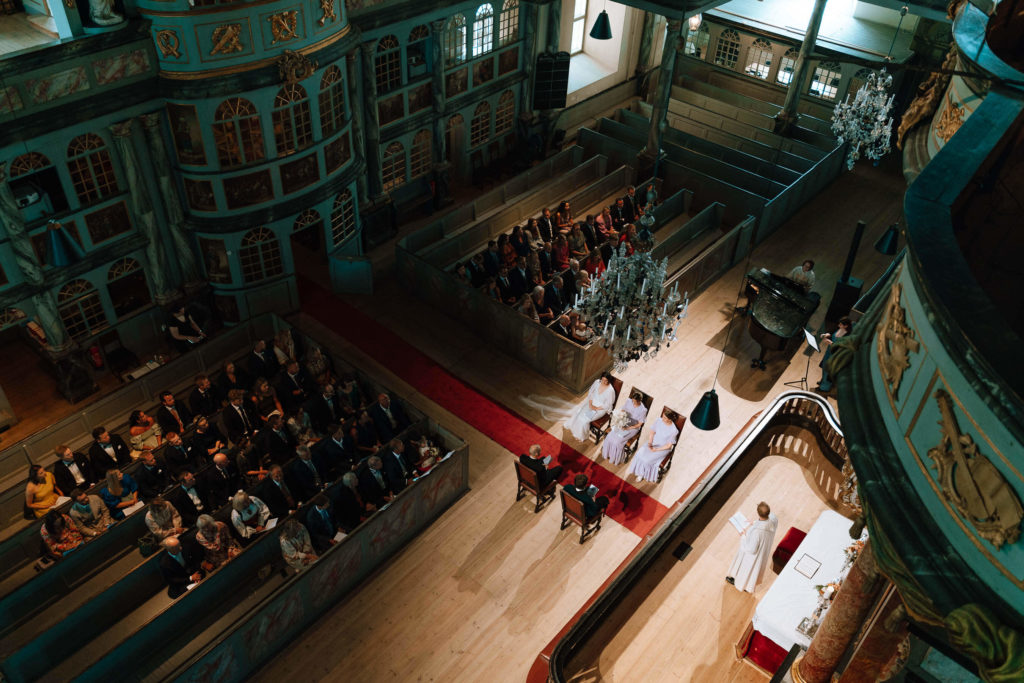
[755,549]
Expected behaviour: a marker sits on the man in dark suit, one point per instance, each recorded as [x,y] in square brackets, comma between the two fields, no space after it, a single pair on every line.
[610,246]
[108,452]
[563,326]
[554,295]
[544,225]
[222,480]
[206,440]
[261,363]
[171,415]
[505,289]
[236,417]
[332,454]
[388,417]
[348,504]
[180,457]
[544,259]
[492,259]
[181,565]
[631,203]
[152,478]
[320,524]
[538,464]
[520,278]
[569,281]
[397,471]
[477,272]
[72,470]
[303,476]
[589,231]
[293,386]
[325,408]
[190,498]
[372,485]
[277,494]
[204,399]
[619,215]
[276,441]
[582,492]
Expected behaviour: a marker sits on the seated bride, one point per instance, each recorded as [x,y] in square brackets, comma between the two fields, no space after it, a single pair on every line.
[600,400]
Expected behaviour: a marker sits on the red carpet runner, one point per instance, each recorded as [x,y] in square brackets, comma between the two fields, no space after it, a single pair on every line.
[629,506]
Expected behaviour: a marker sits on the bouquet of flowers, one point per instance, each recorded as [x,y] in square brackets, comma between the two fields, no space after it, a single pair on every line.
[851,554]
[621,420]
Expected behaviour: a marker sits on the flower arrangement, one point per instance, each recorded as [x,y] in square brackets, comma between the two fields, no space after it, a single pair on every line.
[621,420]
[851,553]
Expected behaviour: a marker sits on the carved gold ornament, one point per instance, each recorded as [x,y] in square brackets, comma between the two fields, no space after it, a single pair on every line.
[929,94]
[972,483]
[327,6]
[226,39]
[168,43]
[895,342]
[283,26]
[294,67]
[122,129]
[951,120]
[70,4]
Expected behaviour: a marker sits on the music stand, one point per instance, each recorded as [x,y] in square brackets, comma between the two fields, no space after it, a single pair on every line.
[802,382]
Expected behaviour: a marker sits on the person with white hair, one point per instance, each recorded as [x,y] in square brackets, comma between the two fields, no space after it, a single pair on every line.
[163,520]
[249,514]
[215,537]
[296,546]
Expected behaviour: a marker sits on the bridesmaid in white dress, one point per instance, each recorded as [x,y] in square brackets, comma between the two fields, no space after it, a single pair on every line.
[600,399]
[649,456]
[614,447]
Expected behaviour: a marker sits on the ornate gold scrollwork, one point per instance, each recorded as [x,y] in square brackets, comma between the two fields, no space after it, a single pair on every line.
[284,26]
[895,342]
[226,39]
[294,67]
[951,120]
[327,6]
[972,483]
[70,4]
[168,42]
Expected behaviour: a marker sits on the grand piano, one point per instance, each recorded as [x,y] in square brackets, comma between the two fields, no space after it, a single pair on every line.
[779,310]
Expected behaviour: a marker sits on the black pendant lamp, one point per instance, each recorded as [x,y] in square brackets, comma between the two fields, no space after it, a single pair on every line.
[602,27]
[889,241]
[705,415]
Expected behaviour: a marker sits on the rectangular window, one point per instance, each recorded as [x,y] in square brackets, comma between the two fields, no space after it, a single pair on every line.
[579,26]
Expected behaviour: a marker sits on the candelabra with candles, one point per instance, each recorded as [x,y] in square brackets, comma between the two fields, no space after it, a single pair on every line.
[866,123]
[628,310]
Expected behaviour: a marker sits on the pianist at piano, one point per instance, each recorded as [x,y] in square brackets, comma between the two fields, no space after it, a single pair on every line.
[779,310]
[803,275]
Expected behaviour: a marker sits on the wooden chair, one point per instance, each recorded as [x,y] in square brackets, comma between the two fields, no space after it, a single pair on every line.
[572,513]
[666,462]
[600,427]
[630,448]
[529,482]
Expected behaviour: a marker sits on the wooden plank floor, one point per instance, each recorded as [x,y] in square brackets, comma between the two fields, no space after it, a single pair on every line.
[478,594]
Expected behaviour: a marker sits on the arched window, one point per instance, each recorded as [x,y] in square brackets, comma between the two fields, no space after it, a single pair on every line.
[388,64]
[237,134]
[416,52]
[825,83]
[78,304]
[92,172]
[483,30]
[293,127]
[455,131]
[480,126]
[419,156]
[759,59]
[28,163]
[508,27]
[260,255]
[727,49]
[455,40]
[126,285]
[32,175]
[343,218]
[332,101]
[505,113]
[392,167]
[697,42]
[787,65]
[858,81]
[307,219]
[10,317]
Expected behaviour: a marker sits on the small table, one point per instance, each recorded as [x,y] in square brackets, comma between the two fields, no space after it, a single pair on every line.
[141,370]
[793,597]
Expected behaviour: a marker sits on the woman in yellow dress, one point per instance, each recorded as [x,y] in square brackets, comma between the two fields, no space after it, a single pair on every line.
[41,493]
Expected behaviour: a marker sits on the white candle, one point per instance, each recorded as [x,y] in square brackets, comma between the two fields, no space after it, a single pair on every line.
[663,332]
[664,308]
[622,312]
[629,331]
[613,334]
[618,281]
[643,286]
[605,332]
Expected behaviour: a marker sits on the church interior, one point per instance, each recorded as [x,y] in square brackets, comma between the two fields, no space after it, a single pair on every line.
[292,290]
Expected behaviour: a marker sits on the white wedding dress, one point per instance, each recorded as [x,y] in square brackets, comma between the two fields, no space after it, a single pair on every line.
[579,422]
[646,461]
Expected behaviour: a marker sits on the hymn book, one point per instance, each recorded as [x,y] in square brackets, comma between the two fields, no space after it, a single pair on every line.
[739,521]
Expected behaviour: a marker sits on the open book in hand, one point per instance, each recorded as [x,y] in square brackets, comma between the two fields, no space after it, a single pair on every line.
[592,490]
[740,522]
[547,460]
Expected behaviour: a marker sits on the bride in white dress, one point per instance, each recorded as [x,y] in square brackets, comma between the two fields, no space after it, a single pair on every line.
[600,400]
[649,456]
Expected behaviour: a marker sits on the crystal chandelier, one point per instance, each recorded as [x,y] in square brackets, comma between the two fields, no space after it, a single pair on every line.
[628,311]
[866,123]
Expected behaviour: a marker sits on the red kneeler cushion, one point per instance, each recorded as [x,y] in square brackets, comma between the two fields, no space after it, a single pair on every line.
[764,653]
[790,542]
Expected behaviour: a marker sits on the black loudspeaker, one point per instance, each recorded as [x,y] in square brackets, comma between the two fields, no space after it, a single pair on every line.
[845,296]
[551,80]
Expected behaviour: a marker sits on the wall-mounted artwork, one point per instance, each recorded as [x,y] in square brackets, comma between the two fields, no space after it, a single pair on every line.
[456,83]
[483,71]
[337,153]
[420,97]
[297,174]
[108,222]
[199,194]
[215,257]
[391,109]
[188,137]
[508,61]
[246,190]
